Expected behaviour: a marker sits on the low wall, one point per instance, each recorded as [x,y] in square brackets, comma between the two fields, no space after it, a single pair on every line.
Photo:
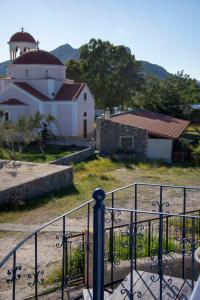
[74,157]
[33,182]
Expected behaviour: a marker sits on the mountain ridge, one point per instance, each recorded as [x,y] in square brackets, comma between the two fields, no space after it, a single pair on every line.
[66,52]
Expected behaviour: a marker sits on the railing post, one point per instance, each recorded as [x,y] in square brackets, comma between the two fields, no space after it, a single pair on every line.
[98,245]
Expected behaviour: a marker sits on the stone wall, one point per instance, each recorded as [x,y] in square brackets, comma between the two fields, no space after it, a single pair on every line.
[28,186]
[108,134]
[74,157]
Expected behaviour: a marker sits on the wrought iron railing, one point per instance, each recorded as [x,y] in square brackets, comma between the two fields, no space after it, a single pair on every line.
[161,260]
[60,254]
[69,266]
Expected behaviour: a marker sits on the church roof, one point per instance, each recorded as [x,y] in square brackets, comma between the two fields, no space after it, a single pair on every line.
[22,37]
[37,57]
[31,90]
[69,91]
[12,101]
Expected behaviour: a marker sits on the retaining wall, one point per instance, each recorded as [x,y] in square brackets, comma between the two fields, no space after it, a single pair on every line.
[26,185]
[74,157]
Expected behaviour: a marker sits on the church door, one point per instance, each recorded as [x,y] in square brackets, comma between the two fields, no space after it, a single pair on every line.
[84,128]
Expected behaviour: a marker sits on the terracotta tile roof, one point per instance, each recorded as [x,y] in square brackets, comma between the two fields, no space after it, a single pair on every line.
[69,91]
[155,123]
[12,101]
[37,57]
[31,90]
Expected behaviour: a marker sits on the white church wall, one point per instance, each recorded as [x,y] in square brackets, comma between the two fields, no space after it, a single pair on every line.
[85,106]
[21,72]
[64,117]
[13,92]
[4,82]
[15,111]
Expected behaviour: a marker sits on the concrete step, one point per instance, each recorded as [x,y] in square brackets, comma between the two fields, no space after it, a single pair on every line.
[88,294]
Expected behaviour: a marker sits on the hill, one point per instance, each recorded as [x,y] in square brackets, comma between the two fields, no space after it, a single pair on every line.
[3,67]
[157,71]
[67,52]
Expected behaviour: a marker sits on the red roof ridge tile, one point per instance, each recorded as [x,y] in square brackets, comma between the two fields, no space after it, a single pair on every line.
[79,91]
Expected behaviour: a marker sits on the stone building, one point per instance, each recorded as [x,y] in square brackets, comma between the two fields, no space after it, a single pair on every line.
[145,134]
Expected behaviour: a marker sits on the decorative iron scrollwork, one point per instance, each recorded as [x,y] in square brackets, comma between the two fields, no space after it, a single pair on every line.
[185,237]
[62,239]
[115,259]
[159,205]
[14,274]
[112,215]
[135,295]
[35,278]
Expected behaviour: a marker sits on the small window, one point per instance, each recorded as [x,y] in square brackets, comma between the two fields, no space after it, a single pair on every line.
[85,96]
[85,114]
[126,142]
[6,116]
[26,73]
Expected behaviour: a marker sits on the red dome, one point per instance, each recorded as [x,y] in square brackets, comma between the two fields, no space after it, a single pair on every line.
[22,37]
[37,57]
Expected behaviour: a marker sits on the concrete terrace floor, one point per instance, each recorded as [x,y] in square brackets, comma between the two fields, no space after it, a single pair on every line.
[16,173]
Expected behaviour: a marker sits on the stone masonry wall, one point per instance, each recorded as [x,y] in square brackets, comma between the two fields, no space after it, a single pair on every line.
[108,135]
[74,157]
[37,187]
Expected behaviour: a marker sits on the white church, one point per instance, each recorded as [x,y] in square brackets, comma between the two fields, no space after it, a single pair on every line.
[36,82]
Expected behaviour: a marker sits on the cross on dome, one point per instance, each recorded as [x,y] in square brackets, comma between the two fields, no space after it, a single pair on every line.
[37,44]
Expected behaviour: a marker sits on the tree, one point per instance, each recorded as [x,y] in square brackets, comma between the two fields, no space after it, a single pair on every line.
[195,117]
[16,136]
[173,96]
[111,72]
[149,96]
[178,93]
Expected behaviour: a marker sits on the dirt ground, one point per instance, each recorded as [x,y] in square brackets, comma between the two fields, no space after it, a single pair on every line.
[49,255]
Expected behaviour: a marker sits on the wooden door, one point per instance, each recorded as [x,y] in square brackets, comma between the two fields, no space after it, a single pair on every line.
[84,128]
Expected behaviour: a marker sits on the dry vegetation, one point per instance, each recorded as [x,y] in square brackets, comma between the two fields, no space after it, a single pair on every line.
[100,172]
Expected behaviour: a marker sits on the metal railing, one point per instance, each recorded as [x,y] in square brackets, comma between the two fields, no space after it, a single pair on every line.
[170,272]
[29,271]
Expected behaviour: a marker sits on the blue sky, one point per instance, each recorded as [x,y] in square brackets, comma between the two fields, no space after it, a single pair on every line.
[165,32]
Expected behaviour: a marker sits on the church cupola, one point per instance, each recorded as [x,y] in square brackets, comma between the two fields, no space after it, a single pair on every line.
[21,42]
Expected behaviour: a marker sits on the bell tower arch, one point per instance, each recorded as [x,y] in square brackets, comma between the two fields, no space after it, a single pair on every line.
[21,42]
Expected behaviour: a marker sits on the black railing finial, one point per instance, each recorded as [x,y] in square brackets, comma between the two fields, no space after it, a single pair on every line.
[98,245]
[99,195]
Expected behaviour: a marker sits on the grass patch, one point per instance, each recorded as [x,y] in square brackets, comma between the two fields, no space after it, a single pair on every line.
[32,153]
[99,172]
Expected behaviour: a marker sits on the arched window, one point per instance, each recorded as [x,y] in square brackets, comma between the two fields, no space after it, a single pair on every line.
[26,73]
[85,114]
[85,96]
[47,74]
[6,116]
